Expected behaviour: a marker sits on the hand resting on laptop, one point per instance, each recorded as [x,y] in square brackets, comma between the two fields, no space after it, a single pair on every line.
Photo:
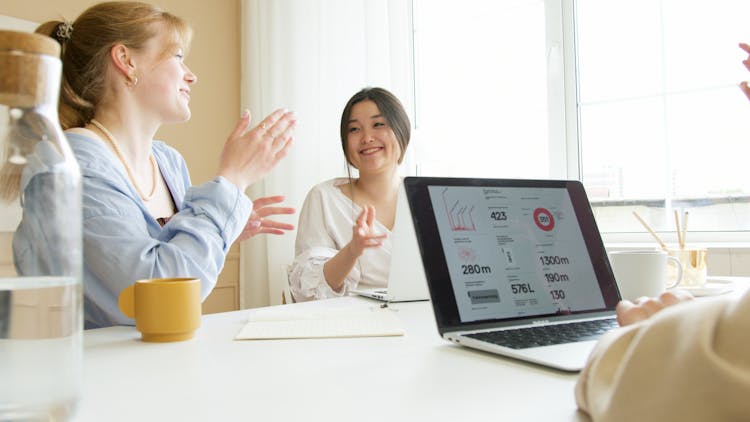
[644,307]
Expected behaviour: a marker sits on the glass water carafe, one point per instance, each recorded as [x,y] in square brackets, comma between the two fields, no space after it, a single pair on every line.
[41,321]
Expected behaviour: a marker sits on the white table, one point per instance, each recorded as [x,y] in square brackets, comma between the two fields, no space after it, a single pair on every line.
[214,378]
[415,377]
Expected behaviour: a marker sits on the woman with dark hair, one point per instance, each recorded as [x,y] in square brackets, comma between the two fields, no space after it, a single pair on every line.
[123,76]
[342,240]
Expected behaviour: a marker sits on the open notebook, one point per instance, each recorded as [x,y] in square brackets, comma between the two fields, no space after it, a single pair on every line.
[300,321]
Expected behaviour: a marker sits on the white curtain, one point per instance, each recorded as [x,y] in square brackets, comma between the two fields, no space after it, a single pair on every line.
[311,56]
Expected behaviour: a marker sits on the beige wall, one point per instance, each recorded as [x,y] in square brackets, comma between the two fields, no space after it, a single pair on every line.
[214,57]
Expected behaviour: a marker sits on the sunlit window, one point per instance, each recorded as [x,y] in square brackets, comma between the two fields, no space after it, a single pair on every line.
[651,107]
[663,125]
[481,88]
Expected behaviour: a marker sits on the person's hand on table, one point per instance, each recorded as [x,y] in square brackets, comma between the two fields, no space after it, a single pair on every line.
[644,307]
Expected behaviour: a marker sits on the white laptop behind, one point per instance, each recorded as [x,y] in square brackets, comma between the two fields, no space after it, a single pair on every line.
[514,267]
[406,279]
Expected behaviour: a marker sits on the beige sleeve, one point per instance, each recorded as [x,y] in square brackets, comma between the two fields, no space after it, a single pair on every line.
[690,362]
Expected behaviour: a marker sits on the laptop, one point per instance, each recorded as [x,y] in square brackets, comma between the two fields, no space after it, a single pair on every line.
[514,267]
[406,278]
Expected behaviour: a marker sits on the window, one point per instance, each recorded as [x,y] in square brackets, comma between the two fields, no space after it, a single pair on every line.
[638,99]
[481,92]
[663,125]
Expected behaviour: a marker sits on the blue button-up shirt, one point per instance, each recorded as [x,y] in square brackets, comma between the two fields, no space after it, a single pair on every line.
[122,242]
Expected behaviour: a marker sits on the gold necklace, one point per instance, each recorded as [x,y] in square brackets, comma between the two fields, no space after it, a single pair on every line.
[111,140]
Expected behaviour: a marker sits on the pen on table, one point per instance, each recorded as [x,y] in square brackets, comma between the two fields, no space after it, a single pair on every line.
[650,230]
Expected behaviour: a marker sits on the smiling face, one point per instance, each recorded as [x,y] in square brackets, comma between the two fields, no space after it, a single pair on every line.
[371,144]
[163,78]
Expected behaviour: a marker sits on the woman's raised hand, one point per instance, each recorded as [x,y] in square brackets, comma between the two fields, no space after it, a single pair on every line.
[746,62]
[364,235]
[249,155]
[257,223]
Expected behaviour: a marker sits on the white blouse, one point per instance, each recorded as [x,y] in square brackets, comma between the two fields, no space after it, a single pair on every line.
[325,227]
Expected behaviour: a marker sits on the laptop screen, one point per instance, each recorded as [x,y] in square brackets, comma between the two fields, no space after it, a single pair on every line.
[510,249]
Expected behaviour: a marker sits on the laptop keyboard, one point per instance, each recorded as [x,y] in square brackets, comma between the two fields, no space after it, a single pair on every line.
[547,335]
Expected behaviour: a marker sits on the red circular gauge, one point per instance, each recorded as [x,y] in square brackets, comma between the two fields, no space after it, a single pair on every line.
[543,219]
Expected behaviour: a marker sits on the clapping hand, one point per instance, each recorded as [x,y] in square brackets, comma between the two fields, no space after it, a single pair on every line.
[257,223]
[364,235]
[251,153]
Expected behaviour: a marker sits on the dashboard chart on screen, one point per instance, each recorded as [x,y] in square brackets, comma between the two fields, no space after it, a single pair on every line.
[513,252]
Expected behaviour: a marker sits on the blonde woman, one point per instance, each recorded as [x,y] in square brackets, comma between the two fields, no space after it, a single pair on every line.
[124,75]
[342,239]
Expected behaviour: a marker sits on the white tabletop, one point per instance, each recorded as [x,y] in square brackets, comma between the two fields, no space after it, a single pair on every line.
[212,377]
[418,376]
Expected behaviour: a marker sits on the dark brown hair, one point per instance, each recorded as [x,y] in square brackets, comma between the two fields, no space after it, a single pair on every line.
[392,110]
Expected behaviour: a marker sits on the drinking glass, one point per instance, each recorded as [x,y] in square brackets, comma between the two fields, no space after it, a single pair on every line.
[41,321]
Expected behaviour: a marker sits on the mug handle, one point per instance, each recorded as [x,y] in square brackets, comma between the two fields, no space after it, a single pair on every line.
[126,301]
[677,264]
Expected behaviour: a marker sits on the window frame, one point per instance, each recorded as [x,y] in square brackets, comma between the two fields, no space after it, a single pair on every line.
[564,119]
[571,113]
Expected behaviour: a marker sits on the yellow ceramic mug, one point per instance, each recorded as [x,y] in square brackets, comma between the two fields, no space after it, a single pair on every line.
[164,309]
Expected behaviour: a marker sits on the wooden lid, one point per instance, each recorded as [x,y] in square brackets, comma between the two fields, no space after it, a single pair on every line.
[29,43]
[31,69]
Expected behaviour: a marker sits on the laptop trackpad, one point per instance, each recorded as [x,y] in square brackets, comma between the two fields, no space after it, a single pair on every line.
[569,356]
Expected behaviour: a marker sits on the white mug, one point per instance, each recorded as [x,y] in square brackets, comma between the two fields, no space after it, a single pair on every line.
[643,273]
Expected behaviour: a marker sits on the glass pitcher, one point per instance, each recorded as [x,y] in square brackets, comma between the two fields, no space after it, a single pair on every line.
[41,320]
